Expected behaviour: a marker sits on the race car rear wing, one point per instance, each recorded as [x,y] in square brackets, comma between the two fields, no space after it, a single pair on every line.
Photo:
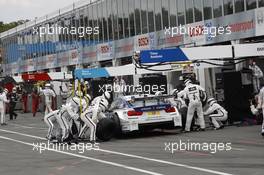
[146,97]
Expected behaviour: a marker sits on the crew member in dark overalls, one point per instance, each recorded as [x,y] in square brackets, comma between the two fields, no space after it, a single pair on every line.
[12,105]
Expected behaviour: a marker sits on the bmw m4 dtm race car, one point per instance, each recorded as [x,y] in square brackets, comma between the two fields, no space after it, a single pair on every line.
[140,112]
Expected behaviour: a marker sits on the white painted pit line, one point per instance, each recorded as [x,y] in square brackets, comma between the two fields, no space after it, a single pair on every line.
[84,157]
[138,157]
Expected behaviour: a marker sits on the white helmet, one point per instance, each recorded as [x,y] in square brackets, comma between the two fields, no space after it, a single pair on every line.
[78,93]
[88,97]
[48,85]
[6,90]
[211,101]
[14,89]
[174,92]
[103,104]
[106,95]
[158,93]
[136,55]
[187,82]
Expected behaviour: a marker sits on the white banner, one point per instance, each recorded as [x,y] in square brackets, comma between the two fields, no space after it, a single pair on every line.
[194,33]
[259,15]
[73,57]
[249,50]
[51,61]
[105,51]
[145,41]
[89,54]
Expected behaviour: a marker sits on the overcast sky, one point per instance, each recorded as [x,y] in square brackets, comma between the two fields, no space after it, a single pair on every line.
[13,10]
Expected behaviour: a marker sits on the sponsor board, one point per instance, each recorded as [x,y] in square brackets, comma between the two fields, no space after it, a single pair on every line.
[105,51]
[145,41]
[89,54]
[248,50]
[51,61]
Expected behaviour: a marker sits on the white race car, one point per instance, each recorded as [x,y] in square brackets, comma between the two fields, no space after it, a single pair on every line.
[136,112]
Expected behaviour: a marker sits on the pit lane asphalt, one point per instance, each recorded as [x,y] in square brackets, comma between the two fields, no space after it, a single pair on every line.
[132,154]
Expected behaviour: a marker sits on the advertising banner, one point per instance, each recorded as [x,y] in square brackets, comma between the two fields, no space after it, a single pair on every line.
[23,66]
[14,67]
[193,33]
[166,40]
[249,50]
[163,55]
[7,69]
[63,58]
[89,54]
[145,41]
[259,18]
[105,51]
[231,27]
[30,65]
[51,61]
[41,63]
[124,47]
[73,57]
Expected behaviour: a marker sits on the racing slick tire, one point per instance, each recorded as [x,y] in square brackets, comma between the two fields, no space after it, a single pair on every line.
[118,130]
[105,129]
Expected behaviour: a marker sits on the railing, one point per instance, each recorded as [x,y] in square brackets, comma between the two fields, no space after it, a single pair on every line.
[52,15]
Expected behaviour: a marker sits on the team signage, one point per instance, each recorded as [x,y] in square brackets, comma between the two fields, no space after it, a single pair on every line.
[163,55]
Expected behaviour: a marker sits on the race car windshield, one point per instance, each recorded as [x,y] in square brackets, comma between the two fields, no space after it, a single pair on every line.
[144,103]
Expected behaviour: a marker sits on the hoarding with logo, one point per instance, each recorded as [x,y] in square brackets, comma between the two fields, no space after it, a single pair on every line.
[145,41]
[89,54]
[194,33]
[73,57]
[124,47]
[259,18]
[249,50]
[105,51]
[63,58]
[237,26]
[30,65]
[51,61]
[166,40]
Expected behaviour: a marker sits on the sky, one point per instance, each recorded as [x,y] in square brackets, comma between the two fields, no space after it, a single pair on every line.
[13,10]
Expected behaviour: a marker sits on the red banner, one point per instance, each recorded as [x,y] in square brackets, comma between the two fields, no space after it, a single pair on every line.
[36,77]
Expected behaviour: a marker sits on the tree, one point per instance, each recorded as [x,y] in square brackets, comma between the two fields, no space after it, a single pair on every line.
[4,27]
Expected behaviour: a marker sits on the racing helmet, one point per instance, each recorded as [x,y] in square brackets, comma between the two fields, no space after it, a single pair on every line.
[187,82]
[79,93]
[211,101]
[174,92]
[89,98]
[14,90]
[106,95]
[158,93]
[5,90]
[103,104]
[48,85]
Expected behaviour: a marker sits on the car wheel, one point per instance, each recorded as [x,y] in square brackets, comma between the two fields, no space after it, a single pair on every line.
[118,130]
[105,129]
